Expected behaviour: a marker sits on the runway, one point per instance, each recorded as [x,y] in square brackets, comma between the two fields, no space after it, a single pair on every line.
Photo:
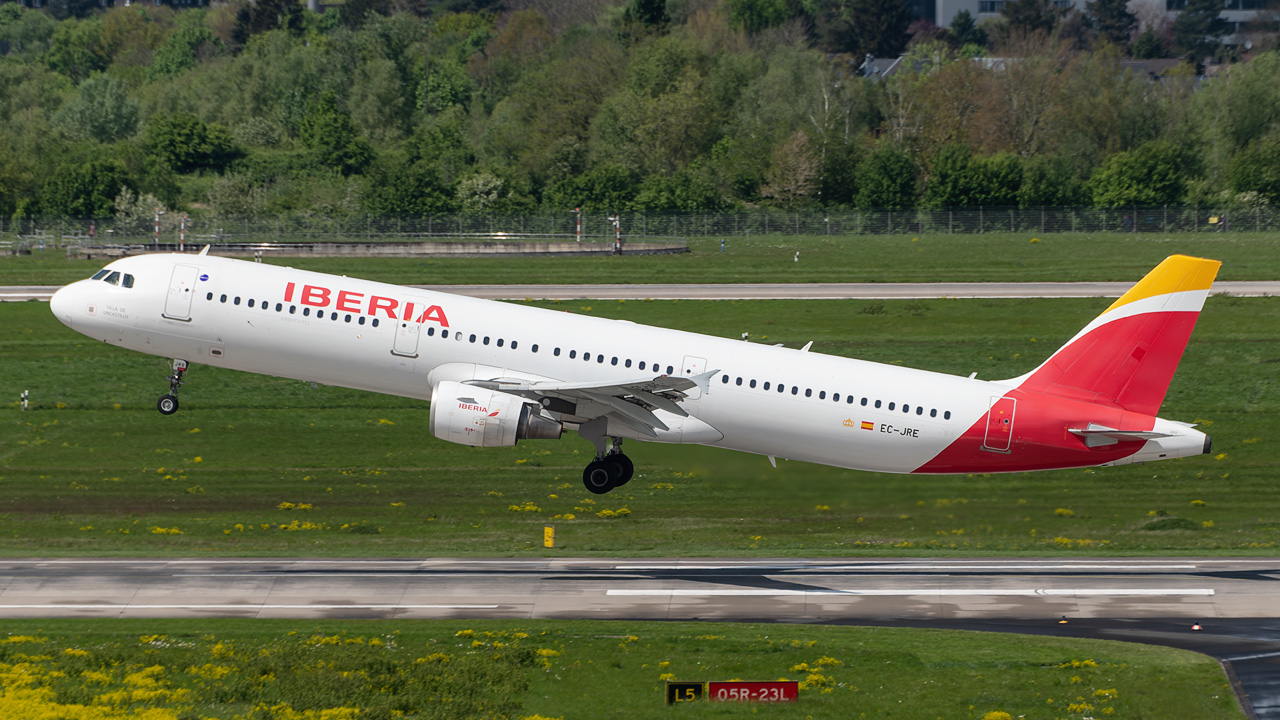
[1155,601]
[780,591]
[768,291]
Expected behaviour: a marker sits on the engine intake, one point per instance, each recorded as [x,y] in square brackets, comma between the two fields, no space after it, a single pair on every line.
[469,415]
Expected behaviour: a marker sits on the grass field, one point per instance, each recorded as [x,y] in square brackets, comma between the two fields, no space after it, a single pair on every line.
[291,670]
[261,466]
[869,258]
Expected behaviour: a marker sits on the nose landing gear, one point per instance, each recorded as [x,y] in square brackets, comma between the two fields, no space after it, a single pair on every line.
[609,470]
[168,404]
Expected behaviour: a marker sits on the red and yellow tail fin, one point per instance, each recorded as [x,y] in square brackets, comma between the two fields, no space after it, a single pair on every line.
[1127,356]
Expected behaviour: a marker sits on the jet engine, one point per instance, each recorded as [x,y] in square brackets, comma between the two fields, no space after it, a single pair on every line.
[469,415]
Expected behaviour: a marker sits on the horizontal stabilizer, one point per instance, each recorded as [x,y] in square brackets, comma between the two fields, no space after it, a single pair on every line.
[1096,435]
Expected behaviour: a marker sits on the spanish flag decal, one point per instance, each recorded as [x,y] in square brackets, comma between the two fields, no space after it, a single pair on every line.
[868,425]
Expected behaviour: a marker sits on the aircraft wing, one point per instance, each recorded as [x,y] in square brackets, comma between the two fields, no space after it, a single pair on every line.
[631,402]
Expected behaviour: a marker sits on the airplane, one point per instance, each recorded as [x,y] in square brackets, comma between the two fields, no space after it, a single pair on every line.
[496,373]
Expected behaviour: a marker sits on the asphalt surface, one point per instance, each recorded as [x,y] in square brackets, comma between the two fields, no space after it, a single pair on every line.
[767,291]
[1142,600]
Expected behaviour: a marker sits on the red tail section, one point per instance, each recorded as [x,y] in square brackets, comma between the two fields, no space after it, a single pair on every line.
[1126,357]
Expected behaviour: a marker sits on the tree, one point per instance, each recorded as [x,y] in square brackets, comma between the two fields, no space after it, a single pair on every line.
[960,180]
[330,132]
[1149,46]
[1030,16]
[1256,169]
[27,32]
[792,176]
[756,15]
[77,49]
[887,179]
[1198,27]
[101,110]
[964,31]
[181,50]
[16,180]
[1154,174]
[85,190]
[880,26]
[186,144]
[259,16]
[1051,181]
[1113,20]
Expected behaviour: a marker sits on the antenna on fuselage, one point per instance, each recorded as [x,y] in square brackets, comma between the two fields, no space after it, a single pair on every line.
[203,251]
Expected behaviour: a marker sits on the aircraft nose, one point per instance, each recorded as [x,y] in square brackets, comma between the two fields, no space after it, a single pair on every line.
[62,304]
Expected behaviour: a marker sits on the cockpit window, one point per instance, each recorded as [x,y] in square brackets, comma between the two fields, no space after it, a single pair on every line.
[113,278]
[100,274]
[128,281]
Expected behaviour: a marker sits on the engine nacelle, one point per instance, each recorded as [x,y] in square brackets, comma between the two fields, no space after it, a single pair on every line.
[469,415]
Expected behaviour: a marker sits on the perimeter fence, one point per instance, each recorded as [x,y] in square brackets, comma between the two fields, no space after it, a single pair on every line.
[601,227]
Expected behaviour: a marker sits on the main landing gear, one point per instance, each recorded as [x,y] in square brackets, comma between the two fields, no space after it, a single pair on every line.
[609,470]
[168,404]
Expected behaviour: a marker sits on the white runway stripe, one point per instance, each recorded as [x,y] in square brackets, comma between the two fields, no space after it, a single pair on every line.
[959,592]
[246,606]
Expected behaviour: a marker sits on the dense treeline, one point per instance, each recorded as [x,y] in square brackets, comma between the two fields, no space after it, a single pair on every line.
[547,105]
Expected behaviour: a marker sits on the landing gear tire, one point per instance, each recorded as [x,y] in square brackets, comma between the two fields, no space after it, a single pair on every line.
[167,405]
[599,477]
[625,468]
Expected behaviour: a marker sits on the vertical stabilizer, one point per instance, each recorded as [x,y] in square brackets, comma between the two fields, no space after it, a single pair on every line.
[1126,357]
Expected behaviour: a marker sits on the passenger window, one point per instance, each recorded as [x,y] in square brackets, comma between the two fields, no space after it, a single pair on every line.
[933,412]
[375,322]
[499,343]
[485,341]
[333,317]
[808,392]
[613,361]
[250,302]
[641,364]
[266,305]
[586,357]
[279,307]
[752,383]
[919,409]
[306,312]
[739,382]
[556,352]
[347,319]
[766,384]
[532,349]
[864,401]
[906,408]
[600,359]
[236,301]
[573,354]
[724,379]
[782,388]
[795,389]
[361,320]
[891,406]
[513,344]
[431,332]
[128,281]
[877,404]
[209,296]
[222,299]
[627,363]
[473,337]
[946,415]
[822,395]
[444,334]
[671,370]
[850,400]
